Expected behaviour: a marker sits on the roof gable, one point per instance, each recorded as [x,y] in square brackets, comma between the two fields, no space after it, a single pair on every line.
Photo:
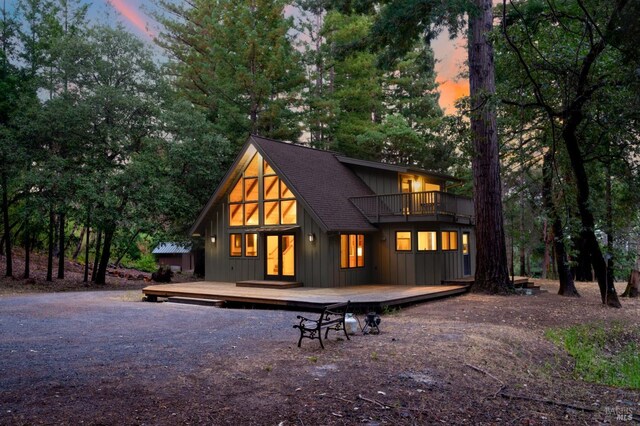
[318,180]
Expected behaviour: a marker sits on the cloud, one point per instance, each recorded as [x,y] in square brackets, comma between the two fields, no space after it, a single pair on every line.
[133,16]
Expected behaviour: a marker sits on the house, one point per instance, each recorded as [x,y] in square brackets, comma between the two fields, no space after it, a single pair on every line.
[177,256]
[290,213]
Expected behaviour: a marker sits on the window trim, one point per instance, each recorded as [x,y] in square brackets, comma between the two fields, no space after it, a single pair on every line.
[410,250]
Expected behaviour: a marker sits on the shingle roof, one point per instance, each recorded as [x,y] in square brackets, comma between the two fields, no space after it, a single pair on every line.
[171,248]
[323,183]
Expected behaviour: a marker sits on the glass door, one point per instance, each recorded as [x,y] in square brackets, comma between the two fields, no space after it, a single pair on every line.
[466,253]
[280,264]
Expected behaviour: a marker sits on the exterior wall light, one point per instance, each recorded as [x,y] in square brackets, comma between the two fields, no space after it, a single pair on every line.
[213,239]
[312,237]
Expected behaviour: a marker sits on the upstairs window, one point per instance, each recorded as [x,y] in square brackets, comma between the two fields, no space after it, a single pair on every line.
[261,197]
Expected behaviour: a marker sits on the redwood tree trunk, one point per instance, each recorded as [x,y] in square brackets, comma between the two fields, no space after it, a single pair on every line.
[7,226]
[567,286]
[492,275]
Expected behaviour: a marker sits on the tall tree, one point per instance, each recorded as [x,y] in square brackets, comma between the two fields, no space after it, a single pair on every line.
[236,60]
[567,87]
[401,22]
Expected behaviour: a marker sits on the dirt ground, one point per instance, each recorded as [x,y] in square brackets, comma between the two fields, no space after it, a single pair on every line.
[108,358]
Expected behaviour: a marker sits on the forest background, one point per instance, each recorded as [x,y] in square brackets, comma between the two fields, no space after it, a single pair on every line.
[108,146]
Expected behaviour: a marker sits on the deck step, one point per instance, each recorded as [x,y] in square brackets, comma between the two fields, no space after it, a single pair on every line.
[196,301]
[269,284]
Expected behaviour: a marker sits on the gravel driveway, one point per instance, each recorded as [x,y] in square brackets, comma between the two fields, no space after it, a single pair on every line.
[60,351]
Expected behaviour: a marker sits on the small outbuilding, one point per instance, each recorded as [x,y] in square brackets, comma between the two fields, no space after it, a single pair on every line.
[179,257]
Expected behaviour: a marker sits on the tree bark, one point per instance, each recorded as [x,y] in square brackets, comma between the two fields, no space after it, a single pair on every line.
[106,253]
[50,243]
[545,258]
[604,275]
[86,247]
[61,247]
[567,286]
[7,225]
[492,275]
[582,269]
[96,260]
[633,286]
[76,252]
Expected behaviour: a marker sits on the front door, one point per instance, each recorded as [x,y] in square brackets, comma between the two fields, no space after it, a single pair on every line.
[280,263]
[466,253]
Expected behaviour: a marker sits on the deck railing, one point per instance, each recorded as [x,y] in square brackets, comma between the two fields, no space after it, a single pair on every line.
[429,203]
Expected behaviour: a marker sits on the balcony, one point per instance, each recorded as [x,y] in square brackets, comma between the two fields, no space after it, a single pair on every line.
[416,206]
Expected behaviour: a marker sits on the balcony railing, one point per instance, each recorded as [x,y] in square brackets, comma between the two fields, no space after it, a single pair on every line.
[390,207]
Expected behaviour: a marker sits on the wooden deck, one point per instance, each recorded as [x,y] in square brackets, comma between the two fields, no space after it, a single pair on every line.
[363,296]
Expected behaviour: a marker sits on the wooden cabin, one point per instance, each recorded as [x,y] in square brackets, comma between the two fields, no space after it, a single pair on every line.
[289,213]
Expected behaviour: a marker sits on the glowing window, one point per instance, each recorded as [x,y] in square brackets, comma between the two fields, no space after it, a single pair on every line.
[252,168]
[271,189]
[251,189]
[449,240]
[251,216]
[235,245]
[236,193]
[403,240]
[251,245]
[288,214]
[271,213]
[351,251]
[236,218]
[427,241]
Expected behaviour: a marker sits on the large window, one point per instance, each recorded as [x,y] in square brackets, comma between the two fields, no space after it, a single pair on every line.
[427,241]
[403,240]
[449,240]
[351,251]
[277,202]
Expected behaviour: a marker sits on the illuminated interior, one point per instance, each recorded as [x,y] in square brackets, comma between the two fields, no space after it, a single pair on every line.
[403,240]
[427,241]
[276,205]
[449,240]
[235,245]
[416,183]
[465,243]
[351,251]
[251,245]
[281,255]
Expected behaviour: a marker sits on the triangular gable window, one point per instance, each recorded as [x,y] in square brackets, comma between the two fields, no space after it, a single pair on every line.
[260,197]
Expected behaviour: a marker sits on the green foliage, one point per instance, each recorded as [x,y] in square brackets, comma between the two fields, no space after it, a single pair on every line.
[235,60]
[603,354]
[145,262]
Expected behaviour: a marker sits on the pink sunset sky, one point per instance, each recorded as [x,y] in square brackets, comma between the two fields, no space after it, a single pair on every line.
[450,54]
